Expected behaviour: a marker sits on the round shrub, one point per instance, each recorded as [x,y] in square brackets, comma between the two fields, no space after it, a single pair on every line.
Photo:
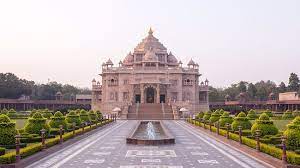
[33,112]
[7,131]
[199,115]
[287,115]
[92,116]
[265,126]
[84,116]
[72,117]
[225,118]
[36,123]
[296,113]
[215,116]
[251,115]
[2,151]
[221,111]
[57,120]
[47,114]
[268,112]
[241,120]
[206,116]
[293,134]
[12,113]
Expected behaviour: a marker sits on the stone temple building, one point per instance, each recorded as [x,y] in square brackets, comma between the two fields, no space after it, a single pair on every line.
[150,83]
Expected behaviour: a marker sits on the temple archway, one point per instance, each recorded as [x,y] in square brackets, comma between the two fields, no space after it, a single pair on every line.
[150,93]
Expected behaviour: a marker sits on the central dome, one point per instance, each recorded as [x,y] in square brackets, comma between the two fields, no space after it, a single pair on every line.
[150,42]
[150,56]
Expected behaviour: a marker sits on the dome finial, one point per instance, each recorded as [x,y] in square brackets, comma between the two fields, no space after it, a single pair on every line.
[150,31]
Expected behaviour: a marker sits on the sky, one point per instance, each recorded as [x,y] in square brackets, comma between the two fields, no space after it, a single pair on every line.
[68,40]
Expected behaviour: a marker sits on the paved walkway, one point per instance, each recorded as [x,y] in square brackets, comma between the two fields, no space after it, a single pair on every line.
[107,148]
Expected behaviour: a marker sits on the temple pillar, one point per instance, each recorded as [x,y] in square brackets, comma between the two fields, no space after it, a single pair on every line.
[158,94]
[142,93]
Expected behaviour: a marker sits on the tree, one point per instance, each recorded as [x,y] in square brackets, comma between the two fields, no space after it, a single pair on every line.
[251,91]
[281,88]
[242,86]
[294,82]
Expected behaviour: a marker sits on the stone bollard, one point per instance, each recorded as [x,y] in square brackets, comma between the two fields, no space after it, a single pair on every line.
[18,156]
[227,128]
[43,132]
[61,134]
[218,128]
[240,134]
[204,124]
[90,125]
[210,126]
[74,125]
[284,156]
[257,135]
[82,127]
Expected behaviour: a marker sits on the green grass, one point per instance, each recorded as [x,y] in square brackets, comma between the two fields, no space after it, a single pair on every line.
[280,124]
[20,123]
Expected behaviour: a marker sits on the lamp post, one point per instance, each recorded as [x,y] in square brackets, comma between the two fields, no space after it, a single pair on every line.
[18,157]
[257,135]
[227,127]
[218,128]
[43,131]
[74,125]
[61,134]
[240,134]
[284,156]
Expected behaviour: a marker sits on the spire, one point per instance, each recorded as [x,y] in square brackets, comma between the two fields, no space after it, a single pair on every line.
[150,31]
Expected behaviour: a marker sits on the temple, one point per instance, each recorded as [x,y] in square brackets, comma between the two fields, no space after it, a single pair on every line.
[150,79]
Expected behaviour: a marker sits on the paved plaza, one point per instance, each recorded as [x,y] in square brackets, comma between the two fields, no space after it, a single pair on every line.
[107,148]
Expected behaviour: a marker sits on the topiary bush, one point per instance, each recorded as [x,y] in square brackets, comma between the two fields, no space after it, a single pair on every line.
[84,116]
[225,118]
[4,111]
[265,126]
[293,134]
[8,131]
[36,123]
[241,120]
[12,113]
[296,113]
[57,120]
[207,116]
[287,115]
[221,111]
[252,115]
[215,116]
[268,112]
[92,116]
[2,151]
[199,115]
[99,115]
[72,117]
[33,112]
[47,114]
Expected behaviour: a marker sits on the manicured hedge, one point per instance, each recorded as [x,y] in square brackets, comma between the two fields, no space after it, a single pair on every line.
[84,116]
[207,116]
[265,126]
[293,134]
[215,116]
[35,124]
[73,117]
[287,115]
[252,115]
[7,131]
[92,116]
[241,120]
[225,118]
[199,115]
[47,114]
[57,120]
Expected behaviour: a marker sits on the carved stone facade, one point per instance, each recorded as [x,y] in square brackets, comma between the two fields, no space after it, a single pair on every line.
[150,75]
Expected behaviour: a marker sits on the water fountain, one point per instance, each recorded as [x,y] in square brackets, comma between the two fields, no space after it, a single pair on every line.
[150,133]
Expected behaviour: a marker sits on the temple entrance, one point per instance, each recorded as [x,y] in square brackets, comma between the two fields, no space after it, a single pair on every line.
[137,98]
[150,95]
[162,98]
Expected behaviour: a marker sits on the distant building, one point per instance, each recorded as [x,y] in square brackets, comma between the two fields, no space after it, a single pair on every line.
[289,96]
[150,75]
[83,98]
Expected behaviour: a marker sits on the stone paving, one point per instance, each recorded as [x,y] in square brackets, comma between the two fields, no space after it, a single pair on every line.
[107,148]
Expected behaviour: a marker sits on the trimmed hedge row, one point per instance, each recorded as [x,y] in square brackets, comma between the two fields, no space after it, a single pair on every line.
[34,148]
[292,157]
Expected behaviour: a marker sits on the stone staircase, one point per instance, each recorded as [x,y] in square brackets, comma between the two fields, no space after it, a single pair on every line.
[149,111]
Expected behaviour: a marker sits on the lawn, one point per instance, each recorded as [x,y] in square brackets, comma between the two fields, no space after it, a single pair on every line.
[20,123]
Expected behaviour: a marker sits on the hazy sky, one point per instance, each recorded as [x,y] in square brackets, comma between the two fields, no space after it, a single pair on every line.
[232,40]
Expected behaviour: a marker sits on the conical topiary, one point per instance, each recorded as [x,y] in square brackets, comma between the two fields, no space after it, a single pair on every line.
[206,116]
[221,111]
[241,120]
[33,112]
[268,112]
[72,117]
[84,116]
[252,115]
[7,131]
[12,113]
[4,111]
[225,118]
[99,115]
[47,114]
[265,126]
[57,120]
[92,116]
[215,116]
[293,134]
[287,115]
[36,123]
